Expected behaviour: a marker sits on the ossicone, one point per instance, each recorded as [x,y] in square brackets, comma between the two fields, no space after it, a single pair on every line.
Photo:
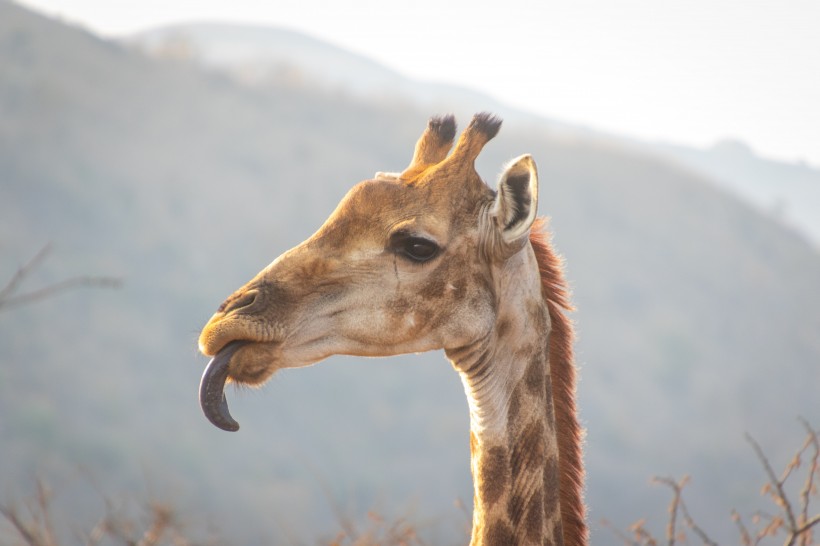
[483,127]
[433,145]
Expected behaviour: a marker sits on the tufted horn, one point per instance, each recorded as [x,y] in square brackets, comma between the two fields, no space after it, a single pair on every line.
[483,127]
[433,145]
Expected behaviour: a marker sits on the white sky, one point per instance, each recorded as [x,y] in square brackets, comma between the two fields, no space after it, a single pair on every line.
[690,72]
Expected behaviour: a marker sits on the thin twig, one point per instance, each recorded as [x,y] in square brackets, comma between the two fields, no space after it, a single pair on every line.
[56,288]
[778,485]
[673,505]
[29,535]
[10,299]
[809,524]
[690,522]
[43,500]
[808,488]
[644,535]
[618,533]
[24,271]
[745,537]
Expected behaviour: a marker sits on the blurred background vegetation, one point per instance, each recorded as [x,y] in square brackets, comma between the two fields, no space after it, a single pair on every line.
[148,162]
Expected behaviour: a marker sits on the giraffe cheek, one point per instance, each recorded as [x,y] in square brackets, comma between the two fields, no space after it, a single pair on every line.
[467,324]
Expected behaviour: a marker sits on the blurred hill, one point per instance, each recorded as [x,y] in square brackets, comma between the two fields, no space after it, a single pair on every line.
[698,314]
[789,193]
[258,56]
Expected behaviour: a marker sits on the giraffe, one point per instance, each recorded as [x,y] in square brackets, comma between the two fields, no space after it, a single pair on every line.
[432,258]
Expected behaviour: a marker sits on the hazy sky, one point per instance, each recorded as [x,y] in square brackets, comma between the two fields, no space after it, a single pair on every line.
[692,72]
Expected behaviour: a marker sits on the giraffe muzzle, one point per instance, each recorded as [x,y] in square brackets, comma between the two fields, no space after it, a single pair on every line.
[212,388]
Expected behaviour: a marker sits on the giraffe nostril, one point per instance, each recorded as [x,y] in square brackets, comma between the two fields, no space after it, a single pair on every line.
[240,301]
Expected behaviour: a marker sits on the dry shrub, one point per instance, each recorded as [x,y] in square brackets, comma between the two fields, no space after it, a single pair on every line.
[793,519]
[154,524]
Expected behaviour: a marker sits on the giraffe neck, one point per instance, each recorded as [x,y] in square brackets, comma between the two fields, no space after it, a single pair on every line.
[513,442]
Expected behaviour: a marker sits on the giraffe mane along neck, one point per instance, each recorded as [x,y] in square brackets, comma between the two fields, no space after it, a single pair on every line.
[562,371]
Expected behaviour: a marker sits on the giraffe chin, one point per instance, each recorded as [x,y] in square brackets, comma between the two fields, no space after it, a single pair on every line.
[212,388]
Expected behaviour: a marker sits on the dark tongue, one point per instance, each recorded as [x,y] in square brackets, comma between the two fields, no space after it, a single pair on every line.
[212,388]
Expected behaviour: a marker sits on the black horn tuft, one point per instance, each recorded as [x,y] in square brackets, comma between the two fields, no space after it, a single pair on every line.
[486,123]
[444,127]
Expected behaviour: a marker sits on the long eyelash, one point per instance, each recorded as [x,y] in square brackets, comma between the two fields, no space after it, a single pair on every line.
[401,238]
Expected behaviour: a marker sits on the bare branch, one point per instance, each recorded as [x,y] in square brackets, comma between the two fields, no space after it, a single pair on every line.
[618,533]
[10,299]
[673,505]
[32,522]
[745,537]
[11,515]
[57,288]
[679,506]
[776,483]
[24,271]
[43,500]
[808,486]
[644,537]
[161,522]
[695,527]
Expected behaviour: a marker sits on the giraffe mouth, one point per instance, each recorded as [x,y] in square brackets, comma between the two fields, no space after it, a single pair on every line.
[212,388]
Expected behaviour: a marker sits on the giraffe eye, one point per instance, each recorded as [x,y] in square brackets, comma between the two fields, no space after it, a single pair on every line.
[417,249]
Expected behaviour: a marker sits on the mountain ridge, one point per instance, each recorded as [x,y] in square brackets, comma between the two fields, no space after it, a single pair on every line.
[788,192]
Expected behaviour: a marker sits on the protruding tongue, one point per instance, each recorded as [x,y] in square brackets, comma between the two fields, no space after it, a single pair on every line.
[212,388]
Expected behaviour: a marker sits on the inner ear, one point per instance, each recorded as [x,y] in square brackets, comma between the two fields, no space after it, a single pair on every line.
[516,202]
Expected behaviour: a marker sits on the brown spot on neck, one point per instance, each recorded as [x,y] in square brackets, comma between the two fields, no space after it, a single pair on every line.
[499,533]
[494,475]
[535,376]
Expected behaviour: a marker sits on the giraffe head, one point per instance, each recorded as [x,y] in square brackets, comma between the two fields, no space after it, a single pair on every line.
[406,263]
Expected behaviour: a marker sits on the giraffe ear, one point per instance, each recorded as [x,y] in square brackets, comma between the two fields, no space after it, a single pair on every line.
[517,199]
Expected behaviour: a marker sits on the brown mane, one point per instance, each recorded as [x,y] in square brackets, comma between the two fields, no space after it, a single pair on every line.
[562,371]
